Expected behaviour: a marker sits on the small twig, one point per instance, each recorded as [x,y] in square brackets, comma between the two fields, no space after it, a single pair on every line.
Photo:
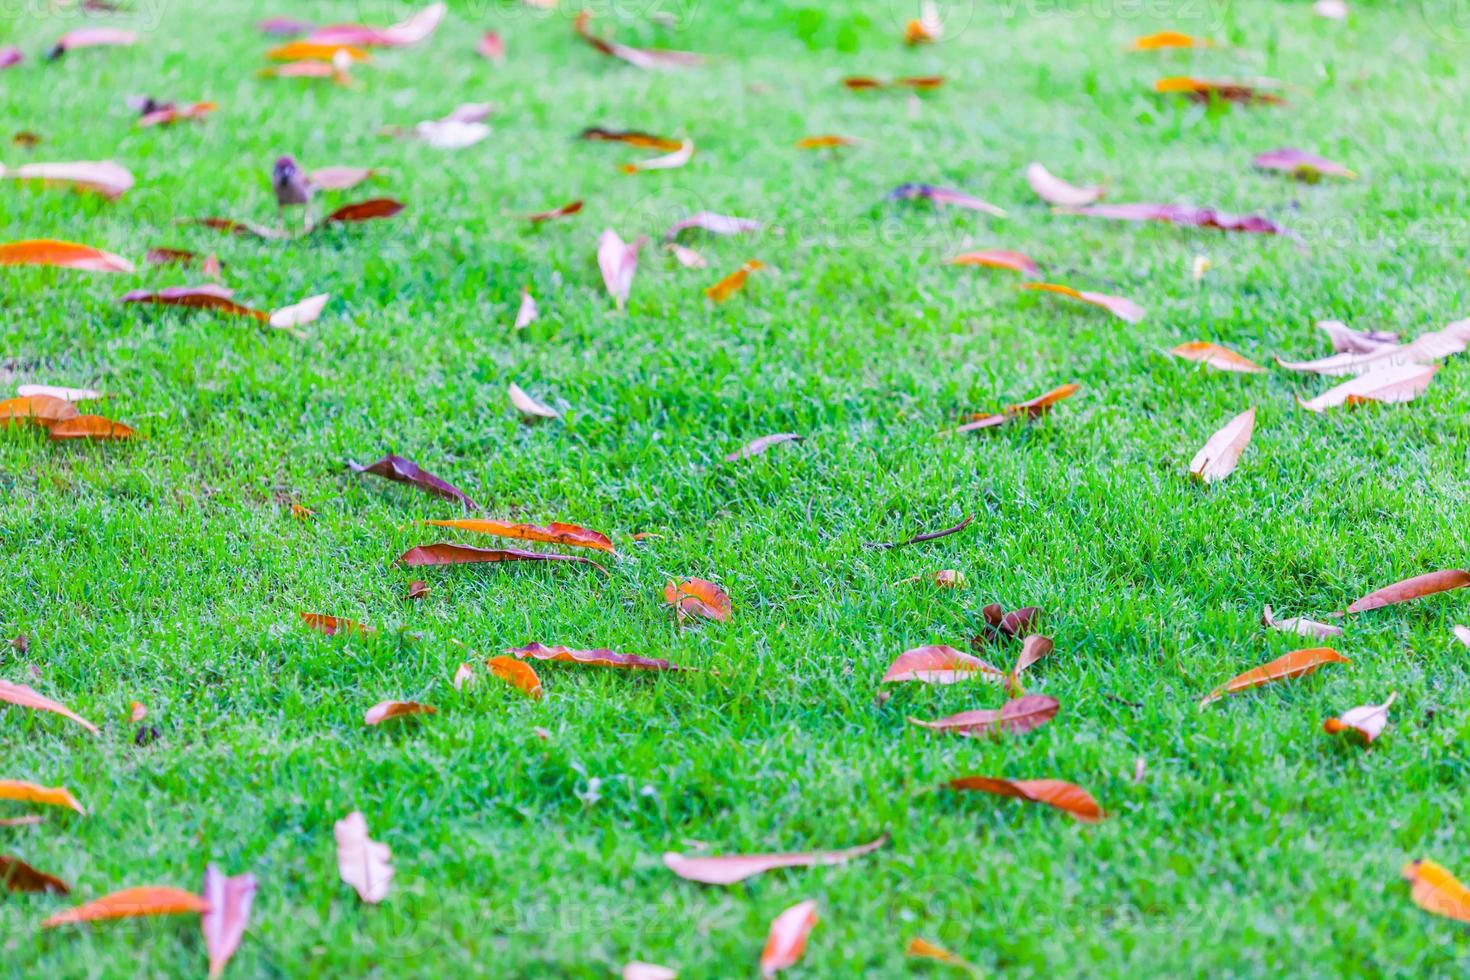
[917,539]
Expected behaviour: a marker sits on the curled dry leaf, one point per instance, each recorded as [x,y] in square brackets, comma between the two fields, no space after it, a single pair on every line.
[339,178]
[998,259]
[1180,214]
[727,286]
[362,862]
[1298,663]
[530,407]
[22,792]
[687,257]
[463,674]
[1301,165]
[412,30]
[168,113]
[64,255]
[825,142]
[1435,890]
[1054,190]
[669,161]
[527,312]
[647,971]
[731,868]
[17,876]
[299,314]
[92,37]
[223,924]
[554,533]
[787,939]
[926,28]
[1205,90]
[1065,796]
[402,470]
[443,553]
[55,391]
[942,196]
[950,578]
[103,177]
[386,710]
[1462,633]
[1389,385]
[1301,626]
[1221,454]
[920,538]
[1424,349]
[1430,583]
[923,949]
[517,674]
[599,657]
[23,697]
[1014,717]
[570,208]
[372,209]
[698,597]
[240,229]
[715,224]
[861,83]
[1169,39]
[649,60]
[216,299]
[1368,720]
[939,665]
[1033,408]
[130,903]
[1346,340]
[618,261]
[90,427]
[44,410]
[630,137]
[417,589]
[332,625]
[757,446]
[1033,648]
[491,46]
[1123,309]
[1215,356]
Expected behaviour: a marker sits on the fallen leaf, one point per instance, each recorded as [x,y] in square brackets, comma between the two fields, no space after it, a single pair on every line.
[787,939]
[240,229]
[11,789]
[409,31]
[727,286]
[939,665]
[105,178]
[1437,891]
[1424,349]
[669,161]
[1299,625]
[698,597]
[298,314]
[10,56]
[599,657]
[169,113]
[90,427]
[223,924]
[362,862]
[630,137]
[687,257]
[1054,190]
[417,589]
[1345,340]
[826,142]
[1368,721]
[449,134]
[386,710]
[1180,214]
[920,538]
[923,949]
[1033,648]
[373,209]
[55,391]
[529,406]
[310,50]
[731,868]
[216,299]
[1215,356]
[555,532]
[30,820]
[301,513]
[1169,39]
[649,60]
[926,28]
[1204,90]
[402,470]
[44,410]
[1462,633]
[1417,587]
[339,178]
[332,625]
[175,256]
[1301,165]
[1014,717]
[715,224]
[1298,663]
[91,37]
[859,83]
[942,196]
[130,903]
[1065,796]
[65,255]
[949,578]
[17,876]
[1221,454]
[757,446]
[24,697]
[464,674]
[526,314]
[569,208]
[1331,9]
[517,674]
[443,553]
[1389,385]
[137,711]
[998,259]
[618,260]
[491,46]
[647,971]
[1123,309]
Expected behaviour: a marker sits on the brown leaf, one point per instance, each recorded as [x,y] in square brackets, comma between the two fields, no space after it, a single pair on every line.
[630,137]
[1299,625]
[998,259]
[106,178]
[939,665]
[599,657]
[130,903]
[1417,587]
[332,625]
[1014,717]
[444,553]
[1301,165]
[727,286]
[649,60]
[517,674]
[1204,90]
[1033,648]
[757,446]
[90,427]
[570,208]
[1215,356]
[215,298]
[339,178]
[362,862]
[1221,454]
[12,789]
[530,407]
[1424,349]
[403,470]
[1054,190]
[787,939]
[24,697]
[1389,385]
[1437,891]
[1065,796]
[860,83]
[44,410]
[417,589]
[1123,309]
[240,229]
[919,538]
[224,923]
[1368,721]
[731,868]
[698,597]
[554,533]
[1180,214]
[370,210]
[824,142]
[386,710]
[65,255]
[18,876]
[1298,663]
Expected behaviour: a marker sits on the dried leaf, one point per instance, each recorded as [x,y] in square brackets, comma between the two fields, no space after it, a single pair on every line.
[787,939]
[1065,796]
[517,674]
[130,903]
[105,177]
[137,711]
[1215,356]
[618,260]
[923,949]
[1462,633]
[939,665]
[599,657]
[1298,663]
[362,862]
[647,971]
[1169,39]
[687,257]
[649,60]
[1368,721]
[491,46]
[1299,625]
[310,50]
[949,578]
[91,427]
[571,207]
[1180,214]
[224,923]
[998,259]
[92,37]
[669,161]
[386,710]
[1301,165]
[412,30]
[698,597]
[417,589]
[1014,717]
[1389,385]
[1204,90]
[731,868]
[715,224]
[1331,9]
[825,142]
[529,406]
[555,532]
[1054,190]
[464,674]
[526,314]
[443,553]
[1424,349]
[12,789]
[941,196]
[1123,309]
[1221,454]
[369,210]
[169,113]
[919,538]
[1348,341]
[44,410]
[17,876]
[1437,891]
[1417,587]
[10,56]
[332,625]
[450,134]
[1033,648]
[29,820]
[55,391]
[216,299]
[339,178]
[926,28]
[859,83]
[24,697]
[757,446]
[240,229]
[298,314]
[727,286]
[65,255]
[402,470]
[630,137]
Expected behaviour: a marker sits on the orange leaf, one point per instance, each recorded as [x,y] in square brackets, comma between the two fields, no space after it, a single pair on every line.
[332,625]
[698,597]
[669,161]
[130,903]
[1057,793]
[1215,356]
[17,876]
[1033,408]
[19,694]
[727,286]
[729,869]
[1202,90]
[1123,309]
[314,51]
[1412,588]
[787,940]
[385,710]
[939,665]
[599,657]
[1221,454]
[646,141]
[824,142]
[1169,39]
[561,212]
[998,259]
[924,949]
[137,711]
[1298,663]
[1368,720]
[444,553]
[517,674]
[66,255]
[555,532]
[11,789]
[90,427]
[1435,890]
[42,409]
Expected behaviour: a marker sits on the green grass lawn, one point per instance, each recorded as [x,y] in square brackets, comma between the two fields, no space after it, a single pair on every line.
[170,571]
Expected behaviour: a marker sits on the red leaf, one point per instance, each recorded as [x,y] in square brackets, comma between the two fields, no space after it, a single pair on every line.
[554,533]
[731,868]
[130,903]
[939,665]
[1065,796]
[444,553]
[698,597]
[599,657]
[1417,587]
[214,298]
[403,470]
[369,210]
[385,710]
[787,940]
[1014,717]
